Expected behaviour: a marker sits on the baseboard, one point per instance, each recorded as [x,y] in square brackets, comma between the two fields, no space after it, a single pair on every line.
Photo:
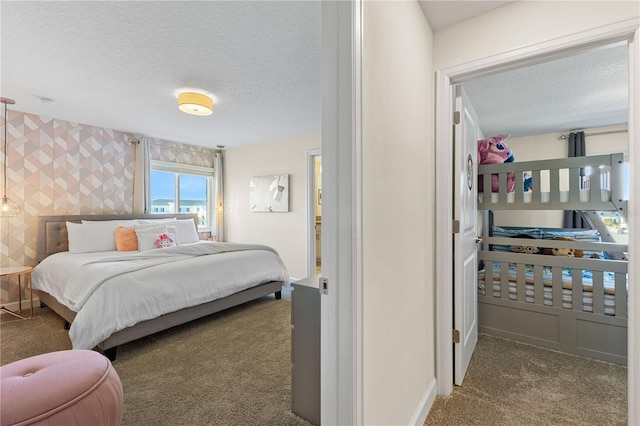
[420,416]
[14,306]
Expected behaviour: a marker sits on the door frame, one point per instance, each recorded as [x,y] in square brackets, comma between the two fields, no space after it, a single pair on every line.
[311,211]
[341,333]
[528,55]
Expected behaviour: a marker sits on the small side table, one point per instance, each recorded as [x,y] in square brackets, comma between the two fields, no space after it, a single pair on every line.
[20,271]
[305,349]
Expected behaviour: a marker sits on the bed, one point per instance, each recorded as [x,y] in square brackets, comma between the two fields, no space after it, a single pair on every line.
[109,298]
[525,292]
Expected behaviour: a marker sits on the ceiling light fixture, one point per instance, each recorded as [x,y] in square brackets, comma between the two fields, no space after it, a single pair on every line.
[195,103]
[8,208]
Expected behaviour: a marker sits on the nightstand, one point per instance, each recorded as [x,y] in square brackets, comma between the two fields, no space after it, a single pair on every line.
[23,273]
[305,349]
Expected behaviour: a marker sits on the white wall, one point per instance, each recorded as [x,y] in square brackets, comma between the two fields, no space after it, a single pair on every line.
[548,146]
[398,223]
[523,23]
[286,232]
[520,24]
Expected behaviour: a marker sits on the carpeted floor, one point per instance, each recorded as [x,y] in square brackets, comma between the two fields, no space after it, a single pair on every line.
[232,368]
[510,383]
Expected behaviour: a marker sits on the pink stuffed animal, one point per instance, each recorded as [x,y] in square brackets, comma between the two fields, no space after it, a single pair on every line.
[164,241]
[494,151]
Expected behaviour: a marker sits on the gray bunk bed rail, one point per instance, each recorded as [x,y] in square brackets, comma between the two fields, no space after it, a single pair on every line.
[597,266]
[526,297]
[599,190]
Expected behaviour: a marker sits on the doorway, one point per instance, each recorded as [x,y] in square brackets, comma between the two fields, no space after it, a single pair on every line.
[445,80]
[314,212]
[549,100]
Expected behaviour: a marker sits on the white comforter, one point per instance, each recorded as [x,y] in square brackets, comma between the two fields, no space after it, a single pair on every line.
[111,291]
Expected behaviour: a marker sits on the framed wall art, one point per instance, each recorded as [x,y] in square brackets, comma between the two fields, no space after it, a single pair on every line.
[269,194]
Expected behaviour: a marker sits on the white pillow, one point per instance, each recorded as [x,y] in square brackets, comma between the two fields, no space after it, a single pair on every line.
[186,231]
[155,221]
[147,236]
[142,226]
[118,222]
[91,238]
[110,224]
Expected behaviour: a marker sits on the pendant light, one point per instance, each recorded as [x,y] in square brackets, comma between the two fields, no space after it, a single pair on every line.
[8,208]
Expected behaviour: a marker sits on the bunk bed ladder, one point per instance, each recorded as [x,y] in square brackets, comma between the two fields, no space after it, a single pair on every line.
[594,221]
[617,185]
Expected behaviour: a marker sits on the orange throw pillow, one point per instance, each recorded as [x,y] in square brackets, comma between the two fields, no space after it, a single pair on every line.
[126,239]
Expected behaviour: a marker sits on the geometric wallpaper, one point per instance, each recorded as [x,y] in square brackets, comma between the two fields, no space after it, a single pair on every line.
[60,167]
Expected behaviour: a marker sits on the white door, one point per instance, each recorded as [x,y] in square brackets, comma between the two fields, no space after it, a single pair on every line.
[465,308]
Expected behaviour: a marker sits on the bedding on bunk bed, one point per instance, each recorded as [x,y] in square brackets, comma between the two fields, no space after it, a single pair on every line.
[534,237]
[534,233]
[113,290]
[567,283]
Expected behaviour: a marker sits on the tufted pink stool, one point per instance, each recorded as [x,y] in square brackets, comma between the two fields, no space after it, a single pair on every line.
[61,388]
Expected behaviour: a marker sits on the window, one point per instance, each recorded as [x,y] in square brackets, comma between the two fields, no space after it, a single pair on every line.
[616,226]
[180,188]
[614,223]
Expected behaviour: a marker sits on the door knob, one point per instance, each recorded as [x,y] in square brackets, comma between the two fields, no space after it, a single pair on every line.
[478,240]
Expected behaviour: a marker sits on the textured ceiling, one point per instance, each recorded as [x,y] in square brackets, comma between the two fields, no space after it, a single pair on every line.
[441,14]
[120,65]
[578,92]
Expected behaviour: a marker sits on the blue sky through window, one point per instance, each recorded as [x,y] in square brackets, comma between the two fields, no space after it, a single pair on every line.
[193,187]
[162,185]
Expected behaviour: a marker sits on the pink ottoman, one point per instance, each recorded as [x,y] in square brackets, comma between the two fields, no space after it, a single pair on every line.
[61,388]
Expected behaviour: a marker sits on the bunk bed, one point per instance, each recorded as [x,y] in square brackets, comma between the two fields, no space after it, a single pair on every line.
[528,289]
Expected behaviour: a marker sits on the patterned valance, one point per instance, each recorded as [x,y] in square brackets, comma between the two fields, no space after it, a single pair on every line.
[175,152]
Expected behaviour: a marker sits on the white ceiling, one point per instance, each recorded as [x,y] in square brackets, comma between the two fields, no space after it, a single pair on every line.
[444,13]
[586,90]
[120,65]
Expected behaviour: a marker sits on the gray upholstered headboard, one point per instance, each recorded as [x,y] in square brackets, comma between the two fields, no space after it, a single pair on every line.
[52,230]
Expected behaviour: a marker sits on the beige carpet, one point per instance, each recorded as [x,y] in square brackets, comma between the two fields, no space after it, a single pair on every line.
[233,368]
[510,383]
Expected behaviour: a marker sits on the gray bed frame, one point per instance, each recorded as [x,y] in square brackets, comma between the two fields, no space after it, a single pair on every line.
[591,334]
[52,238]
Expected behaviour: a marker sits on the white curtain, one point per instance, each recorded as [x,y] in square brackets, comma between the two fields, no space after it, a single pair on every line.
[141,177]
[219,197]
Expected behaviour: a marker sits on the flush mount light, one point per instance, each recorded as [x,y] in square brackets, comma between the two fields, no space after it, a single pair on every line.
[195,103]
